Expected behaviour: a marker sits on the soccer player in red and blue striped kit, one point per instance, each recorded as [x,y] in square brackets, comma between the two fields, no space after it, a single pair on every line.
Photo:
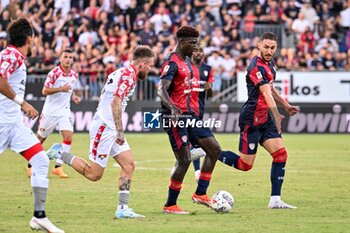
[203,73]
[260,120]
[178,90]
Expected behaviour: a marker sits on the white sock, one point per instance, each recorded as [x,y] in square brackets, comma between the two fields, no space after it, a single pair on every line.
[59,162]
[66,145]
[275,198]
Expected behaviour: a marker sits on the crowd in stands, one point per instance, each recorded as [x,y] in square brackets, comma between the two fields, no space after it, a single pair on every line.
[103,33]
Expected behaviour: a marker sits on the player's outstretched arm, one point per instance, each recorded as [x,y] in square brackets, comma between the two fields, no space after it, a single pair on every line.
[7,91]
[290,109]
[267,93]
[117,116]
[164,96]
[49,91]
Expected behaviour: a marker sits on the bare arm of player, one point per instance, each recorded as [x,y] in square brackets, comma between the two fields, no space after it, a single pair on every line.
[267,93]
[290,109]
[76,99]
[49,91]
[7,91]
[164,96]
[117,116]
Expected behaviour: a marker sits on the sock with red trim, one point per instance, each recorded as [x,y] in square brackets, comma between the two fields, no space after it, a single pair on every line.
[278,171]
[173,193]
[203,183]
[232,159]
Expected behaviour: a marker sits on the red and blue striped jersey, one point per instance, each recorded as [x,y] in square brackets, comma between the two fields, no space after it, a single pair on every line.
[255,110]
[203,74]
[186,91]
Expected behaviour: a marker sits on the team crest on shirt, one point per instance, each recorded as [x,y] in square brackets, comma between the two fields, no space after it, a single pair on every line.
[259,75]
[206,73]
[166,68]
[251,146]
[5,64]
[184,138]
[102,156]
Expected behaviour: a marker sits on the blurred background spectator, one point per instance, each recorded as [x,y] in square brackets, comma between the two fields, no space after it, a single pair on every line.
[314,35]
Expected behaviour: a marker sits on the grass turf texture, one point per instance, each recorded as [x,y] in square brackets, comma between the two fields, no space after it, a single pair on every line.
[317,182]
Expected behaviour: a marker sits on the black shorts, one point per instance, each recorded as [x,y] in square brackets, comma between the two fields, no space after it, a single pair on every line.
[250,136]
[184,135]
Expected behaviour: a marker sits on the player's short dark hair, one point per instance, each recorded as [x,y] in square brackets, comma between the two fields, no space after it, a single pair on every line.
[268,36]
[142,51]
[67,50]
[198,47]
[18,31]
[187,32]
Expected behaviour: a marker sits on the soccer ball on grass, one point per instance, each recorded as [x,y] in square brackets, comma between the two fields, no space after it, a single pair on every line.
[222,202]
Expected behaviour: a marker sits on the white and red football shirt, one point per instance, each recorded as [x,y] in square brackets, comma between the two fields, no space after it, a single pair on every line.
[122,83]
[58,104]
[13,68]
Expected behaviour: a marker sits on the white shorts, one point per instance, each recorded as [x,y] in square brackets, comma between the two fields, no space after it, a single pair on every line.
[47,124]
[17,137]
[102,143]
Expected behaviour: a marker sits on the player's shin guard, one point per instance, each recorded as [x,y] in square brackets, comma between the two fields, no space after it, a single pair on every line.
[278,171]
[39,182]
[174,191]
[234,160]
[203,183]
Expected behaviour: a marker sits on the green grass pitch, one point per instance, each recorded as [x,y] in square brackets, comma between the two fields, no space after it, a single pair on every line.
[317,182]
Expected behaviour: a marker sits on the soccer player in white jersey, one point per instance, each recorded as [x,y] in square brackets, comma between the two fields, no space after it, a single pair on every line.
[13,133]
[58,88]
[106,132]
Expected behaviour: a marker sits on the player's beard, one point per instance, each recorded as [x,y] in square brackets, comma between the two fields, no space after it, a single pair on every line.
[142,75]
[267,58]
[197,59]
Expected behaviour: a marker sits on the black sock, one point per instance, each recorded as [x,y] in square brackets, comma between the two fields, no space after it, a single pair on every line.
[277,177]
[172,197]
[39,214]
[229,158]
[196,164]
[202,186]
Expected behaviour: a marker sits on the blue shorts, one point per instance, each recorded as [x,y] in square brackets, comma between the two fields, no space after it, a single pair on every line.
[250,136]
[184,136]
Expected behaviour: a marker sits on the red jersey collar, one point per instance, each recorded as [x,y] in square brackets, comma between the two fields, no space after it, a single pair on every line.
[64,72]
